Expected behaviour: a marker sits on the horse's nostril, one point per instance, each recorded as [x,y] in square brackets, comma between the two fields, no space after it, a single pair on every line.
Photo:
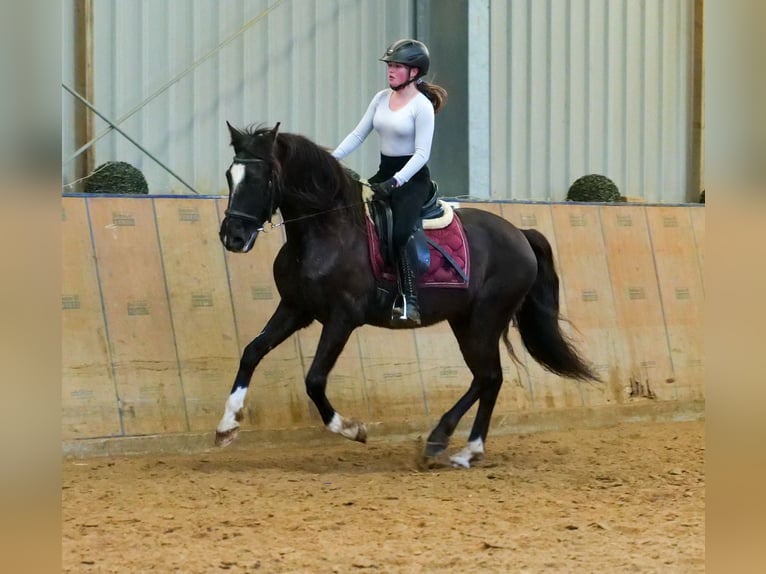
[233,235]
[231,238]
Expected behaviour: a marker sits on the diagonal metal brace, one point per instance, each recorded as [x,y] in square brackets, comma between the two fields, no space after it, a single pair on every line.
[126,136]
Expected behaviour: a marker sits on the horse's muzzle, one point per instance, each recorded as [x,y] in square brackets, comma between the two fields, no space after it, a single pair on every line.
[236,237]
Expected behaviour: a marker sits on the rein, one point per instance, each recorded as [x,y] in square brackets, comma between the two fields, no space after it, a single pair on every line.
[269,226]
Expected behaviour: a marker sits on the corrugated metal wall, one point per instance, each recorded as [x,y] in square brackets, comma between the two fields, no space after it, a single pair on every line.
[571,86]
[310,64]
[590,86]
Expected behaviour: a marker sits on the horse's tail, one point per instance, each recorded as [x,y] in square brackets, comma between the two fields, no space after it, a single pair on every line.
[538,318]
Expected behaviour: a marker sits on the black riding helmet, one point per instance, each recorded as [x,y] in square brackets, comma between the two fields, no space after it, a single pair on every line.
[410,53]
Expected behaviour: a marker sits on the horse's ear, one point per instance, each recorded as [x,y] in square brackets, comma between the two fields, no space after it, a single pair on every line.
[236,135]
[275,129]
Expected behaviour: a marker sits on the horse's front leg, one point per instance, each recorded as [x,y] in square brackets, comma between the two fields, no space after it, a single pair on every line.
[284,322]
[333,339]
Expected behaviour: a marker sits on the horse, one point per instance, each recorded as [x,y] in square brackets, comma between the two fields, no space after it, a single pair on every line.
[323,273]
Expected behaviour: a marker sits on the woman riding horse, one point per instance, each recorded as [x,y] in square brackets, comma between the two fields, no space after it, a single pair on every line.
[323,273]
[403,116]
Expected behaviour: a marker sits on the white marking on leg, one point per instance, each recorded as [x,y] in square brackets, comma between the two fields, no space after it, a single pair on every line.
[474,449]
[234,404]
[346,427]
[336,424]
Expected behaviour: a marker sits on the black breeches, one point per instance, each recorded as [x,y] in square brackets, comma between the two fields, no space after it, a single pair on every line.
[406,200]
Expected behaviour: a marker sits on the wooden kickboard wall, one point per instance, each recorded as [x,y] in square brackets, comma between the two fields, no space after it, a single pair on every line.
[546,389]
[155,314]
[89,400]
[137,314]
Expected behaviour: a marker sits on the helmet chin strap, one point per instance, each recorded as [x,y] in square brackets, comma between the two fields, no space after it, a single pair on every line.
[405,84]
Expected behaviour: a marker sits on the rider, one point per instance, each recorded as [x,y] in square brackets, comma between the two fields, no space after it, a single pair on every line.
[403,116]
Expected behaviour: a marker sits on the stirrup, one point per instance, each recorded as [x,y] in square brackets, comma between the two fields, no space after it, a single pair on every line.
[405,313]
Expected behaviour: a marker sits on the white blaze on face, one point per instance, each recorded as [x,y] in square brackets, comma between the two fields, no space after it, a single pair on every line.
[234,404]
[237,173]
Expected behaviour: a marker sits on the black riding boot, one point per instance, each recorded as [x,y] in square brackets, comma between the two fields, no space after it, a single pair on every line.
[408,313]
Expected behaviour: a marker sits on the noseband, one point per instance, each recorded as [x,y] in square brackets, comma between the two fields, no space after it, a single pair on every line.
[246,216]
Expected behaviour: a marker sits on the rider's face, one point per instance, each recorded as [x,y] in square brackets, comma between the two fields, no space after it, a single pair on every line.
[399,73]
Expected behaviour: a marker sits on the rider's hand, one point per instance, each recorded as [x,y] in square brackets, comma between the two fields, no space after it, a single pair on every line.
[383,190]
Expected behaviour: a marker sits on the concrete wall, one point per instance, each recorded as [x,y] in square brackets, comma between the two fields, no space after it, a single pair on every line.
[155,313]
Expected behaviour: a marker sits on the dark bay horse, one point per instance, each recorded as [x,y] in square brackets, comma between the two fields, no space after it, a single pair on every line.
[323,273]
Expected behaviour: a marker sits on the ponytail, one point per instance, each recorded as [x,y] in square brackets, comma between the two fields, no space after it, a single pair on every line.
[435,93]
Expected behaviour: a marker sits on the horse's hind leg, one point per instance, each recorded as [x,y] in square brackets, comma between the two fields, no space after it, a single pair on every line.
[439,438]
[481,353]
[283,323]
[492,380]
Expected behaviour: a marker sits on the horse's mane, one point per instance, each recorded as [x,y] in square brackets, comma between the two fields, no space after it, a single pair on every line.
[310,176]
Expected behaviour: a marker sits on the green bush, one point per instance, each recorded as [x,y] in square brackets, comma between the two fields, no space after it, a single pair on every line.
[594,187]
[116,177]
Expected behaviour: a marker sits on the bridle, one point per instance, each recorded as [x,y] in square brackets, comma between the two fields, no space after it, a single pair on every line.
[263,226]
[246,216]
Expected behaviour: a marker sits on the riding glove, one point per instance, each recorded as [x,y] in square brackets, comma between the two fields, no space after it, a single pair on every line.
[383,190]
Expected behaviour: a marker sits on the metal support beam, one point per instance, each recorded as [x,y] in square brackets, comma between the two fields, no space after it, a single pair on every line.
[697,168]
[83,122]
[479,128]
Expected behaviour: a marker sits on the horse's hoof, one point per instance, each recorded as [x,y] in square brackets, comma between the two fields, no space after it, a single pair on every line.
[471,453]
[459,461]
[349,428]
[225,438]
[434,449]
[361,433]
[433,463]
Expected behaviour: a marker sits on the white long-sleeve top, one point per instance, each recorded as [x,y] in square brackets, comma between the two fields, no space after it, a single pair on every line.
[406,131]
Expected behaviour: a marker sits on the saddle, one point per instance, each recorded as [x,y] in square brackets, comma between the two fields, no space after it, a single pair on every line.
[437,225]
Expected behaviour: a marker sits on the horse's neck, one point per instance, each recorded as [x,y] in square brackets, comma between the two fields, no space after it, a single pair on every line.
[333,224]
[296,206]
